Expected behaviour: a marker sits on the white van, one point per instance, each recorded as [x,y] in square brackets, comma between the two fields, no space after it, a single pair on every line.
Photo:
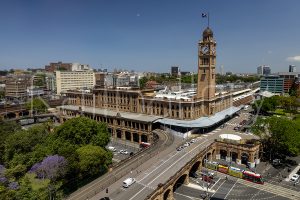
[128,182]
[111,148]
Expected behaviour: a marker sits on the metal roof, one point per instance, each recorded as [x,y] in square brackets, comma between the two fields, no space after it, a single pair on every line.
[112,113]
[201,122]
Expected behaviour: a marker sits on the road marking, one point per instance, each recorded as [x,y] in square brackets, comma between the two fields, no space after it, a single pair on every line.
[215,183]
[218,188]
[230,189]
[168,167]
[186,196]
[81,193]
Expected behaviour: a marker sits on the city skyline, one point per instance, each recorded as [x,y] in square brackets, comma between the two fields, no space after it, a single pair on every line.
[148,36]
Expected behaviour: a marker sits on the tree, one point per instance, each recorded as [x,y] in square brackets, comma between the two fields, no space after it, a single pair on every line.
[7,128]
[93,158]
[36,105]
[82,131]
[279,135]
[19,146]
[52,167]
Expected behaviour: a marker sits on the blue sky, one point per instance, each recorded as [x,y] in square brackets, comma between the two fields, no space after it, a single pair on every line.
[149,35]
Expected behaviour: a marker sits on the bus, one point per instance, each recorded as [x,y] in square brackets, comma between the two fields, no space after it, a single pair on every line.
[253,177]
[144,144]
[236,172]
[211,165]
[223,169]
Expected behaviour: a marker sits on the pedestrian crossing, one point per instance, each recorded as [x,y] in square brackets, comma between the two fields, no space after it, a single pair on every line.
[274,189]
[232,124]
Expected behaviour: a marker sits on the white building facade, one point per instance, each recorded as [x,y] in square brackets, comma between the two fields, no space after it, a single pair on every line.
[74,80]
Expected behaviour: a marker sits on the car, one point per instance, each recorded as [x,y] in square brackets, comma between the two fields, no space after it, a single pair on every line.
[178,148]
[192,141]
[276,162]
[211,174]
[128,182]
[194,175]
[295,178]
[105,198]
[125,152]
[111,148]
[186,144]
[121,151]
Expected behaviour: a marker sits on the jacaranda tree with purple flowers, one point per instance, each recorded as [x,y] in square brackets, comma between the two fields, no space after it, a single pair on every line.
[52,167]
[13,185]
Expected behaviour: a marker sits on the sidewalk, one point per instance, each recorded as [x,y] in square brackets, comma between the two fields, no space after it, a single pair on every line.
[292,173]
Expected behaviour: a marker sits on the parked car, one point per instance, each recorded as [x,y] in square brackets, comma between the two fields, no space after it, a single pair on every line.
[178,148]
[295,178]
[125,152]
[192,141]
[105,198]
[111,148]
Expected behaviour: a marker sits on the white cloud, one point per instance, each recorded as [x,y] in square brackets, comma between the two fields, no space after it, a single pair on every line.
[293,59]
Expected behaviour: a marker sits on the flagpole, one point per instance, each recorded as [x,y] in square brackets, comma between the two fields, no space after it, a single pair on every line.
[208,18]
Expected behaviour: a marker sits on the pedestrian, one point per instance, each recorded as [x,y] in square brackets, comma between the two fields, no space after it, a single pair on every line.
[106,190]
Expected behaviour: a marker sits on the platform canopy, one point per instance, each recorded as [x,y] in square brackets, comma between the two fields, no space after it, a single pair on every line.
[201,122]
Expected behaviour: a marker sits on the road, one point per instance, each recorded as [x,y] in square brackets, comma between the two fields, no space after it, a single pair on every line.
[98,187]
[160,169]
[157,169]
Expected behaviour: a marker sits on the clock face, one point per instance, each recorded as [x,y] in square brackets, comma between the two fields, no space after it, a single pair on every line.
[213,50]
[205,50]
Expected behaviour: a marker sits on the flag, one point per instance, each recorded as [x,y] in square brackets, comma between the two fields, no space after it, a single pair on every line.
[204,15]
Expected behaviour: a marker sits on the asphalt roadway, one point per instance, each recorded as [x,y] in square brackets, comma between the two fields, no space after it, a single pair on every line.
[166,162]
[160,168]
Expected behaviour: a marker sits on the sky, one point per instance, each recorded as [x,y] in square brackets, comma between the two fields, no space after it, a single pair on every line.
[149,35]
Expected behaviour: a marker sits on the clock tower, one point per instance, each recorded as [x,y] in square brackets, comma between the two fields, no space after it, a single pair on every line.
[206,86]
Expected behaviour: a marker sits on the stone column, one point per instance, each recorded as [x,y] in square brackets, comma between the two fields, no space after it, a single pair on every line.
[123,135]
[239,157]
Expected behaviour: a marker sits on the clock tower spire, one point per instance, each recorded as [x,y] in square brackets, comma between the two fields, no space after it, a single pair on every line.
[206,86]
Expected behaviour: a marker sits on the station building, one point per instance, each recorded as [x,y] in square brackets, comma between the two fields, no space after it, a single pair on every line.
[132,114]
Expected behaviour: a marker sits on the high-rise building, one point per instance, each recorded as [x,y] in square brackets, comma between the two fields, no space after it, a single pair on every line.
[266,70]
[260,70]
[206,66]
[74,80]
[263,70]
[175,71]
[292,68]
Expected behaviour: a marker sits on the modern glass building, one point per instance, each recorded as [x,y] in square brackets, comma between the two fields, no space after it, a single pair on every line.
[274,84]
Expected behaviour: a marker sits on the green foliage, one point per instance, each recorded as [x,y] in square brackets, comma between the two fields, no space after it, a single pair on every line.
[266,104]
[279,135]
[220,79]
[6,129]
[82,131]
[40,80]
[16,172]
[37,105]
[80,140]
[92,158]
[19,146]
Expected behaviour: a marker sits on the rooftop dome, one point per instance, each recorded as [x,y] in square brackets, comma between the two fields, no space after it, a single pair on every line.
[208,32]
